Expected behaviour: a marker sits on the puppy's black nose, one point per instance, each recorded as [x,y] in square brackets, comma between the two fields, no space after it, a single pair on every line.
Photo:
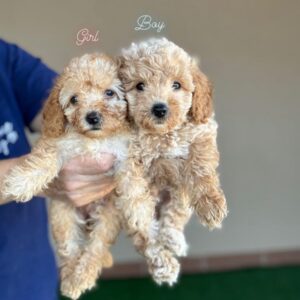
[159,110]
[93,118]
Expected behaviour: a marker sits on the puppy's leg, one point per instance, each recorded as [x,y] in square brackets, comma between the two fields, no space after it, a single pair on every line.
[104,227]
[202,182]
[135,200]
[174,215]
[67,234]
[34,173]
[209,201]
[137,205]
[162,265]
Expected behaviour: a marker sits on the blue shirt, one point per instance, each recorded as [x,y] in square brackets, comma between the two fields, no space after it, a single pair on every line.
[27,264]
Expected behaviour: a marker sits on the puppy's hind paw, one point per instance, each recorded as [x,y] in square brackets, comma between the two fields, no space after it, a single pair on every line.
[70,291]
[84,275]
[76,284]
[164,268]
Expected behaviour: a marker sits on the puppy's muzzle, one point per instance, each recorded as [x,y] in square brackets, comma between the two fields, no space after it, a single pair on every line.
[94,119]
[159,110]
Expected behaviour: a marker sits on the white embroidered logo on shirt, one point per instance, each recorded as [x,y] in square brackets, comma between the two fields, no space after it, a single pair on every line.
[7,136]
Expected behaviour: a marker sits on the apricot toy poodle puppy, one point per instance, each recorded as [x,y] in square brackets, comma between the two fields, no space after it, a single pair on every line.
[85,114]
[174,148]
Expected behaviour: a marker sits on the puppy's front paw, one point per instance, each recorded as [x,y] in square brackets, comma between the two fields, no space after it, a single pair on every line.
[173,240]
[212,210]
[163,267]
[16,189]
[21,185]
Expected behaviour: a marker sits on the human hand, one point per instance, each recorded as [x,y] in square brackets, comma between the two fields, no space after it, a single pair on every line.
[82,180]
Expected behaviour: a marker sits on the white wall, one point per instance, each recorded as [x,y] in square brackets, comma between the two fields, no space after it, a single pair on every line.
[250,50]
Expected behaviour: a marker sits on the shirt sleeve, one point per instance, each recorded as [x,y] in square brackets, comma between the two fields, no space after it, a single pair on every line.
[32,81]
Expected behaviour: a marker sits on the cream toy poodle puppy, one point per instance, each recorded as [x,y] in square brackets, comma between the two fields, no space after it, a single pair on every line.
[85,114]
[174,148]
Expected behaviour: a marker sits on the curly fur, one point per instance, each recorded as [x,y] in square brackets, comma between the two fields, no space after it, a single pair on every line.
[177,153]
[82,243]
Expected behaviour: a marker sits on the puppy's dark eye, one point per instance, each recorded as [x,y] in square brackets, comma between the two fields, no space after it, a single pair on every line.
[140,86]
[74,99]
[176,85]
[109,93]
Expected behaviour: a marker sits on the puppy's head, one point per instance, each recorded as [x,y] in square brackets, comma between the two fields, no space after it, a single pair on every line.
[164,86]
[87,98]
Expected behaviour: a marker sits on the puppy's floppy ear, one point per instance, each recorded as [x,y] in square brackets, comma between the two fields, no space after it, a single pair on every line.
[119,60]
[202,106]
[53,116]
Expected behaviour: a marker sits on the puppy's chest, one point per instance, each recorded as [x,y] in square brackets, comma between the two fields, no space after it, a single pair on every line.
[164,157]
[176,144]
[163,147]
[74,145]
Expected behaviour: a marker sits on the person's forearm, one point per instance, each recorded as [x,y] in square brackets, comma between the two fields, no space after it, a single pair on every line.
[5,166]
